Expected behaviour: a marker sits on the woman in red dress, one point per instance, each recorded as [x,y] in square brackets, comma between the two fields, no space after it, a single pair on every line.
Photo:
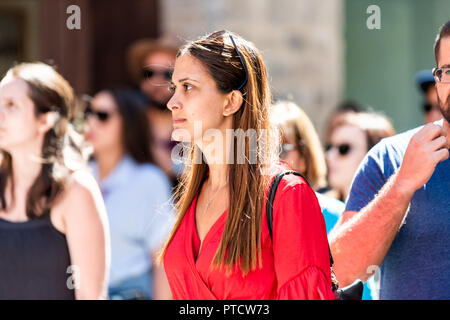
[220,247]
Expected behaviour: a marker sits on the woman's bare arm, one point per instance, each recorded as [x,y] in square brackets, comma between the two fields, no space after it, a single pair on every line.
[87,235]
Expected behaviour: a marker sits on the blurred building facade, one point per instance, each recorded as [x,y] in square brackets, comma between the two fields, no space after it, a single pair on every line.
[302,42]
[318,53]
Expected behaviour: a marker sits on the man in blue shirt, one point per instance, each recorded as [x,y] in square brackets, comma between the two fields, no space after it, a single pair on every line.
[398,214]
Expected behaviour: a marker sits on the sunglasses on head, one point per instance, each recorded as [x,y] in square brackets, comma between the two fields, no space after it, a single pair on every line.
[148,73]
[343,149]
[102,116]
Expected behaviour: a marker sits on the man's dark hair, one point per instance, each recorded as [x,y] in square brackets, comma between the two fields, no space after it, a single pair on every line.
[444,31]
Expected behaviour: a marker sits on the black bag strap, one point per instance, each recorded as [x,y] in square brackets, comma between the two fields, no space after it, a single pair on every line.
[271,197]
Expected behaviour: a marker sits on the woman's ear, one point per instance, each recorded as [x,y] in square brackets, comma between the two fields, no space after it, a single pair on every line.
[47,121]
[233,103]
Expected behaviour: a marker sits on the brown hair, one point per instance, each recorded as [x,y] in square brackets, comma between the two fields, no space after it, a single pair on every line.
[375,126]
[296,126]
[444,31]
[135,126]
[50,92]
[241,239]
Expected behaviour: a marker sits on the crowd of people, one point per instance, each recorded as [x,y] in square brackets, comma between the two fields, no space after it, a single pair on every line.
[93,205]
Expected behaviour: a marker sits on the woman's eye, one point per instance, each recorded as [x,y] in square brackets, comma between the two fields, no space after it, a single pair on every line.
[172,88]
[187,87]
[9,104]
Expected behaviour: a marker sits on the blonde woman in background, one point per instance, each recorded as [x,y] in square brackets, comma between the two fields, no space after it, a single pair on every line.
[302,150]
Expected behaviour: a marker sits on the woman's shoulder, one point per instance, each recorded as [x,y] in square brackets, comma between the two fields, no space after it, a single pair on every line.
[81,197]
[80,189]
[289,181]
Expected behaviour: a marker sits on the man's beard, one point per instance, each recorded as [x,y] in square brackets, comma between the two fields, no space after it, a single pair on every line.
[445,108]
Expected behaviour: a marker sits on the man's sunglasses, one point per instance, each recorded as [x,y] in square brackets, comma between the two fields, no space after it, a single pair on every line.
[101,116]
[148,73]
[427,107]
[343,149]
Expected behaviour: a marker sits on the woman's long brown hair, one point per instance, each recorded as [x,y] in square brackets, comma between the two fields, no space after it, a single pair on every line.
[240,246]
[50,92]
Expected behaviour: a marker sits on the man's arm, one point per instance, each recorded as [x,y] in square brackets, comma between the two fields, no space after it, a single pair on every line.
[361,239]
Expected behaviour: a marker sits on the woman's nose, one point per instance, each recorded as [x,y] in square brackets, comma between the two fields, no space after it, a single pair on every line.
[173,103]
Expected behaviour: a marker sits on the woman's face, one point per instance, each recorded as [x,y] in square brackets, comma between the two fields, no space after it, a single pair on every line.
[293,157]
[104,130]
[348,146]
[19,127]
[156,86]
[197,105]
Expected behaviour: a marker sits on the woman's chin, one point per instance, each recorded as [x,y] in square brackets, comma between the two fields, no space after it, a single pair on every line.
[181,135]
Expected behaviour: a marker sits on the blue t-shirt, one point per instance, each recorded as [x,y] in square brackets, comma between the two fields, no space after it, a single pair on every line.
[418,262]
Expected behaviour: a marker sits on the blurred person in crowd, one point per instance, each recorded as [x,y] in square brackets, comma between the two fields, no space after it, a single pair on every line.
[302,150]
[352,135]
[344,107]
[430,106]
[151,62]
[348,106]
[396,216]
[135,191]
[220,247]
[54,241]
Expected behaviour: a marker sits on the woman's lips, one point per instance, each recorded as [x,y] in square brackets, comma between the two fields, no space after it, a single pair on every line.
[175,121]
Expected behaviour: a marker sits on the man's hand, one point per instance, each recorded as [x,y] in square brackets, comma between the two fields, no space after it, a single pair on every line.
[425,150]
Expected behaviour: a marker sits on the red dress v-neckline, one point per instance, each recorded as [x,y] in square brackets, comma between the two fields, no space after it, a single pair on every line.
[197,245]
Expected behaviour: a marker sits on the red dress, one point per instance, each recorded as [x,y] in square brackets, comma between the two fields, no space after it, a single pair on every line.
[296,266]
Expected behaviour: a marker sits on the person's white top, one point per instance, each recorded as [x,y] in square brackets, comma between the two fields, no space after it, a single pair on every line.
[140,214]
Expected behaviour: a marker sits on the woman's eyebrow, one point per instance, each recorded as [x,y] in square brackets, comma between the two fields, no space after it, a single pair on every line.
[187,78]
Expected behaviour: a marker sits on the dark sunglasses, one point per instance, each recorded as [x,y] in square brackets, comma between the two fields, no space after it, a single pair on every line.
[148,73]
[102,116]
[343,149]
[427,107]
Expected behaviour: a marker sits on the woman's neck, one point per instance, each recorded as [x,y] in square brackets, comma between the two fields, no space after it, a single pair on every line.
[26,166]
[216,155]
[107,161]
[218,175]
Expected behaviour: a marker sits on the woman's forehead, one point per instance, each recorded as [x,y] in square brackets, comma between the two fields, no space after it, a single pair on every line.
[348,132]
[187,66]
[103,100]
[13,86]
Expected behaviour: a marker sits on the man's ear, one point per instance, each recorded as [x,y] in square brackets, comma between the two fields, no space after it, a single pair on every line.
[47,121]
[233,103]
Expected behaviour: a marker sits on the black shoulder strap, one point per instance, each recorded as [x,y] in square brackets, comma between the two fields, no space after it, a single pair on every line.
[271,197]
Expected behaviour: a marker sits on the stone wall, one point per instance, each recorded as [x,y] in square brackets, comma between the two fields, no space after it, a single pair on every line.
[302,42]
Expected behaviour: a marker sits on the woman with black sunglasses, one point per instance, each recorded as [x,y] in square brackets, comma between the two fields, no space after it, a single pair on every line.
[135,191]
[151,64]
[351,136]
